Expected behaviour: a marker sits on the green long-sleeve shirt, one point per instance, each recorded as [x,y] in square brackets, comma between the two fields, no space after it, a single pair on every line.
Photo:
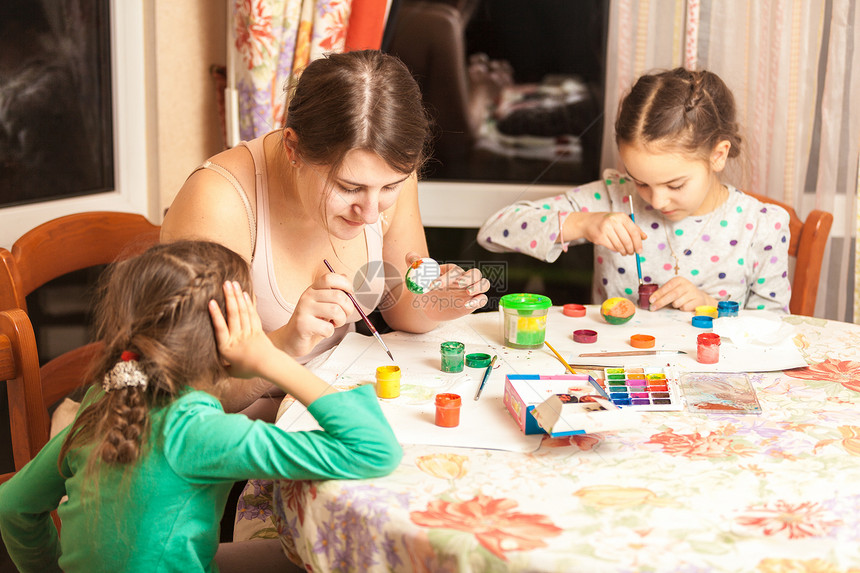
[163,512]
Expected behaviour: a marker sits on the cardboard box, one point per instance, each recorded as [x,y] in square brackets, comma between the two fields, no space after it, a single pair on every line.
[562,405]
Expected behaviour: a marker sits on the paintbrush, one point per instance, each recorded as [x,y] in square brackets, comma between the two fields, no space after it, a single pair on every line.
[560,359]
[364,317]
[638,262]
[582,366]
[486,376]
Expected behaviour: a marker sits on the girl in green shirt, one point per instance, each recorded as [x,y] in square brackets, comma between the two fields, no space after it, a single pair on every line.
[149,461]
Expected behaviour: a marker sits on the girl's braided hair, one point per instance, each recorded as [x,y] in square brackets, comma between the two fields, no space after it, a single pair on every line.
[689,111]
[155,305]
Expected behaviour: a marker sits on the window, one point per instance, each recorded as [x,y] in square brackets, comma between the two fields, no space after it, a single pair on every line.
[532,136]
[85,148]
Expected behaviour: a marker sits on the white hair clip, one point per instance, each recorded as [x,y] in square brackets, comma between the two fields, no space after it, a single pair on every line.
[125,373]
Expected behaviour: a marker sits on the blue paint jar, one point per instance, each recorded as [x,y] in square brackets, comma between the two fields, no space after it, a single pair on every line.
[727,308]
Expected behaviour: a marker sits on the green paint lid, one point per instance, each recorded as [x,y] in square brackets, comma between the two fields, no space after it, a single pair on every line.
[525,301]
[478,360]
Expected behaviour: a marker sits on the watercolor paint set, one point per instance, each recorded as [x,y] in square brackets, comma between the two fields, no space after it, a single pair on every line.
[562,405]
[645,388]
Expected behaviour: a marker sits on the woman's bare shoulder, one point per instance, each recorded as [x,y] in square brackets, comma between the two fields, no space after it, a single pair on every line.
[209,207]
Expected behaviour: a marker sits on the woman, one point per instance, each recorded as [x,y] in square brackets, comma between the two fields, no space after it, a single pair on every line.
[338,182]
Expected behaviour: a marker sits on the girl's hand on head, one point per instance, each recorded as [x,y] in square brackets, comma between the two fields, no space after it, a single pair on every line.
[681,294]
[615,231]
[455,293]
[242,344]
[323,307]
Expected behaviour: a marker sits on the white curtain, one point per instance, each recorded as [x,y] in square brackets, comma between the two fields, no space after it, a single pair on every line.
[794,68]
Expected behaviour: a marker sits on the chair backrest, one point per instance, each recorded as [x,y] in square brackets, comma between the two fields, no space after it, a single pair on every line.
[58,247]
[19,367]
[807,243]
[67,244]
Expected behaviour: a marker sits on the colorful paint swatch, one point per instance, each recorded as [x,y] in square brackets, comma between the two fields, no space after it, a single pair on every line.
[642,388]
[719,393]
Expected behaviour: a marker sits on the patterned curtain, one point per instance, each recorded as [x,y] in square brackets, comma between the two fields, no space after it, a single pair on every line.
[793,68]
[269,40]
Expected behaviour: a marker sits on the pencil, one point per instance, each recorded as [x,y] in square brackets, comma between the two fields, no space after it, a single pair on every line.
[560,359]
[486,375]
[633,218]
[364,317]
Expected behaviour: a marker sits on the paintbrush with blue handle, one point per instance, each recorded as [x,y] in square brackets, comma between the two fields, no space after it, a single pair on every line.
[633,218]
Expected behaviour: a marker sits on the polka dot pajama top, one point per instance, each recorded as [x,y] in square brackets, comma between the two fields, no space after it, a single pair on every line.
[738,252]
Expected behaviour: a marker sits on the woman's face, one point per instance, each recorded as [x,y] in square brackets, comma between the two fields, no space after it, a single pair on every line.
[363,187]
[676,185]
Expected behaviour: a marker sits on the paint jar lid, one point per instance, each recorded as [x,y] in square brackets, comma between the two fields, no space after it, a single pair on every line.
[525,301]
[478,360]
[574,310]
[728,305]
[703,321]
[452,347]
[585,336]
[448,400]
[642,341]
[706,310]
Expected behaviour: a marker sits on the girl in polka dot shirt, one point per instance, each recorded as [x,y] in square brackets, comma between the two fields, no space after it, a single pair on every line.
[702,241]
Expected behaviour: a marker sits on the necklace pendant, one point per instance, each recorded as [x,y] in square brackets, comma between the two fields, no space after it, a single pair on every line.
[677,268]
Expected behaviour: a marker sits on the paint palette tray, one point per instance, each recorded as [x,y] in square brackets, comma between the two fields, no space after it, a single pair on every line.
[645,388]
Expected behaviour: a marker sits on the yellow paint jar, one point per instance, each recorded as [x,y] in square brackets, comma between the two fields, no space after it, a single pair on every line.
[388,381]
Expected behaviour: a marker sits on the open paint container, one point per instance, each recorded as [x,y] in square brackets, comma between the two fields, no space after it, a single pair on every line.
[524,319]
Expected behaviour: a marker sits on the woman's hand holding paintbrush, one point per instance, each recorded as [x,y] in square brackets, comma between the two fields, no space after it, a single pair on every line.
[321,308]
[363,315]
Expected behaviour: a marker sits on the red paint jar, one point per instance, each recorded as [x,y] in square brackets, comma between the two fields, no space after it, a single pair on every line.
[447,410]
[708,348]
[645,292]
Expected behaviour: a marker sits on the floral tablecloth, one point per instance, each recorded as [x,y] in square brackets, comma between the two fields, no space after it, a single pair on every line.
[778,491]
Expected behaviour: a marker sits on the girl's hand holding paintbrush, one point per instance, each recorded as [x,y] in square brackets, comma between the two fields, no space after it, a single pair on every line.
[615,231]
[618,232]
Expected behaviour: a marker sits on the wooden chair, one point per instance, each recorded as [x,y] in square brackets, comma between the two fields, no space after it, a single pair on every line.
[807,244]
[19,367]
[58,247]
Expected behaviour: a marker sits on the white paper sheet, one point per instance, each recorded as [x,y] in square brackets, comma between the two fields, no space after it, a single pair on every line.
[484,423]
